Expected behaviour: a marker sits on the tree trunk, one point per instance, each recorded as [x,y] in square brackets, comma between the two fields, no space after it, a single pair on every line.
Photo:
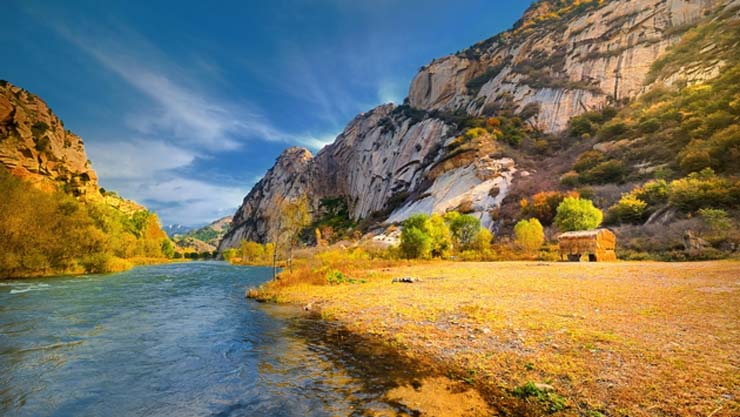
[290,258]
[274,263]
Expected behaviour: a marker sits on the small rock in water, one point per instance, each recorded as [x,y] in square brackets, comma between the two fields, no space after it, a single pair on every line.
[407,280]
[308,307]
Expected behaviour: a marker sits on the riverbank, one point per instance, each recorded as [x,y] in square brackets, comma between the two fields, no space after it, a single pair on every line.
[628,338]
[107,266]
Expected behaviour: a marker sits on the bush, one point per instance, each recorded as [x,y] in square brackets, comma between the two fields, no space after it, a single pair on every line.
[612,171]
[629,209]
[544,204]
[588,160]
[579,126]
[577,214]
[529,234]
[482,241]
[703,190]
[716,219]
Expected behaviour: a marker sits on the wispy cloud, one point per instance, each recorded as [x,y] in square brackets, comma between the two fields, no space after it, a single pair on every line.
[182,200]
[137,159]
[182,108]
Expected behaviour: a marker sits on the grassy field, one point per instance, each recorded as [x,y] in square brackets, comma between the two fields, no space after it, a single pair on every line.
[613,339]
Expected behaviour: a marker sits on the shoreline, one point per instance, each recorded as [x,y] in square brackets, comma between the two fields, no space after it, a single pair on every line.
[552,338]
[129,265]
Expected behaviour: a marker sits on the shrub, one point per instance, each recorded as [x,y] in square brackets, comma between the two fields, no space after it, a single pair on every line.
[228,254]
[702,190]
[612,171]
[579,126]
[39,128]
[577,214]
[588,160]
[717,219]
[569,179]
[611,130]
[652,192]
[544,204]
[529,234]
[629,209]
[475,132]
[482,241]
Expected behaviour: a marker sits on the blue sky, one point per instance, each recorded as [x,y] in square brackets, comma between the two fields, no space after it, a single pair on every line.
[183,106]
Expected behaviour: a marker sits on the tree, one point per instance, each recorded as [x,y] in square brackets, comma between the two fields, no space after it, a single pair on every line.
[529,234]
[577,214]
[464,228]
[167,248]
[425,236]
[252,252]
[415,243]
[291,217]
[439,233]
[482,240]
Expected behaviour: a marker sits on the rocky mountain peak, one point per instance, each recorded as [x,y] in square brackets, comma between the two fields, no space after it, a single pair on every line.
[35,145]
[562,59]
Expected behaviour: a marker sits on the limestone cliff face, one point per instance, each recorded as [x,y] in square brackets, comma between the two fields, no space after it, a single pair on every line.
[566,64]
[557,62]
[35,146]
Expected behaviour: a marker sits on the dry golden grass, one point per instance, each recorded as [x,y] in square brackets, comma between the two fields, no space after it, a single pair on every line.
[618,339]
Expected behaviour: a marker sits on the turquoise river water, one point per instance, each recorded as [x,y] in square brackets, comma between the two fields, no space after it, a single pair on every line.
[172,340]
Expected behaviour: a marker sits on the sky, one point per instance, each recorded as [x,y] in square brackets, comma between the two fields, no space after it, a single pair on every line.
[183,106]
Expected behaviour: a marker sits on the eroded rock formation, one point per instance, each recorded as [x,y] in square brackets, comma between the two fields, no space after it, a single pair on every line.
[557,62]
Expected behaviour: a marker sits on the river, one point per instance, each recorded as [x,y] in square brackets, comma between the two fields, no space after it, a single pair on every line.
[171,340]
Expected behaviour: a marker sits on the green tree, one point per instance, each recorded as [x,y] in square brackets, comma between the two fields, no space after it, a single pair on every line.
[439,233]
[577,214]
[529,234]
[168,248]
[415,243]
[464,228]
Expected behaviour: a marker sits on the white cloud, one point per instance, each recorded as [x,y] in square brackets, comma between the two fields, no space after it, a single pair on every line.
[182,200]
[314,143]
[137,159]
[390,92]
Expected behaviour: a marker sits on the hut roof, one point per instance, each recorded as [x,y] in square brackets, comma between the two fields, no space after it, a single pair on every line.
[583,233]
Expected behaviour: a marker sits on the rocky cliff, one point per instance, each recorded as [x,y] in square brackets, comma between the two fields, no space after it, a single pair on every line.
[563,58]
[35,145]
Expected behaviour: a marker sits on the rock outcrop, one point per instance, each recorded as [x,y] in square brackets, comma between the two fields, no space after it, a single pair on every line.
[560,60]
[35,145]
[565,62]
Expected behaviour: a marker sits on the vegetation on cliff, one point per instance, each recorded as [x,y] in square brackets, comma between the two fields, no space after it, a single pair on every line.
[48,233]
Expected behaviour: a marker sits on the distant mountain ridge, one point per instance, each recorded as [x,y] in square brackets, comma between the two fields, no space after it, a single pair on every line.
[203,239]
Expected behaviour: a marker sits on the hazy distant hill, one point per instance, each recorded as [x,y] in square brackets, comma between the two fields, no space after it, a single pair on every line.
[204,239]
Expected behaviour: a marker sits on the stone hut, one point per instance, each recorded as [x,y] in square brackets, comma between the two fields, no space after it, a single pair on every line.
[598,244]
